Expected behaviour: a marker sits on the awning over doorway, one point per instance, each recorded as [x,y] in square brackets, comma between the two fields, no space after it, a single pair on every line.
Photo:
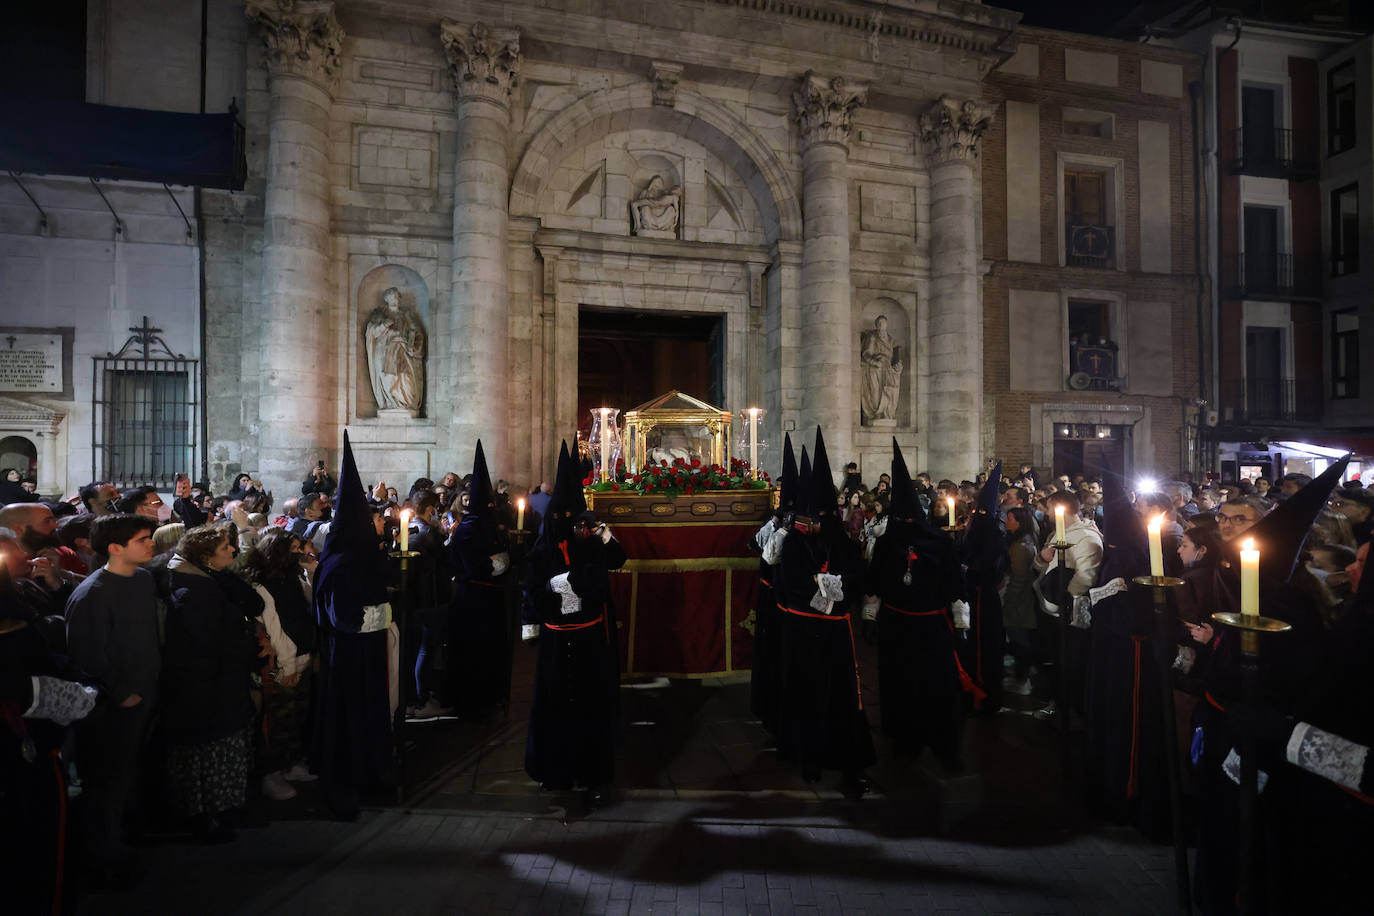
[135,144]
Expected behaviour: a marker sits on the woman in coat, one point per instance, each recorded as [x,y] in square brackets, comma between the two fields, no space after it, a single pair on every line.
[209,655]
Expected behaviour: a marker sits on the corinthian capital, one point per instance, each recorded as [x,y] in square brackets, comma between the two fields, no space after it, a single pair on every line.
[951,129]
[302,37]
[824,107]
[484,61]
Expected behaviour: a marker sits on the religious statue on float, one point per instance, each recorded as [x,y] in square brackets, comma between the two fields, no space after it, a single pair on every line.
[396,355]
[882,373]
[655,212]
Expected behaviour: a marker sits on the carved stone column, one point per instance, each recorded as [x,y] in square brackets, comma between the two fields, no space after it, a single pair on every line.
[483,62]
[823,110]
[297,409]
[950,131]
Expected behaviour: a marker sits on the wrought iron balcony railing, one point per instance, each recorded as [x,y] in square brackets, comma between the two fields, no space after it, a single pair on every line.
[1271,275]
[1274,153]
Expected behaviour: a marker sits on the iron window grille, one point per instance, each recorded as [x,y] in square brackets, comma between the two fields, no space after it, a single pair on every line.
[146,412]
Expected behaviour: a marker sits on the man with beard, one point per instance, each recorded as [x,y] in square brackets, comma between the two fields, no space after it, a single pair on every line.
[480,556]
[821,719]
[917,579]
[575,716]
[351,747]
[40,582]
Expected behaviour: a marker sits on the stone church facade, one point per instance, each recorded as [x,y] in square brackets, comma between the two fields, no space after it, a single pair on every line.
[797,169]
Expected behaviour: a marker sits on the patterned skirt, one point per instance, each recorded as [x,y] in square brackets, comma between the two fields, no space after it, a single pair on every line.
[209,777]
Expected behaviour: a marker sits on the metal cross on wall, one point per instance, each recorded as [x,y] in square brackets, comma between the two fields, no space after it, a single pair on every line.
[145,337]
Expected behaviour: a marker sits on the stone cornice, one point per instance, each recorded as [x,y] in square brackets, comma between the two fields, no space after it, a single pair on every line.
[823,108]
[302,37]
[951,129]
[483,61]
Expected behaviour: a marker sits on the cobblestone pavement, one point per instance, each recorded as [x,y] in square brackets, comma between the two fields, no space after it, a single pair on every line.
[704,820]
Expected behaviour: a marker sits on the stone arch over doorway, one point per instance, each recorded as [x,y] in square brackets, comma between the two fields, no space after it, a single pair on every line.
[694,117]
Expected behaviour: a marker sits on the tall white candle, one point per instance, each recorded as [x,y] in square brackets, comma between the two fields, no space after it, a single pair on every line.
[754,441]
[405,530]
[1156,547]
[520,514]
[1249,577]
[1059,536]
[605,444]
[949,503]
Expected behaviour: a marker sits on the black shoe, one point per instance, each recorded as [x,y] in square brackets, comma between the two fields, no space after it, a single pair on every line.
[208,829]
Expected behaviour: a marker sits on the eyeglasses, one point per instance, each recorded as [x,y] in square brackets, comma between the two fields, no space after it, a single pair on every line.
[1224,519]
[1335,502]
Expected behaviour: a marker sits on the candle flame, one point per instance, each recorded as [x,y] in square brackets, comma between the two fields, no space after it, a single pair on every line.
[1156,523]
[521,503]
[1247,544]
[1059,510]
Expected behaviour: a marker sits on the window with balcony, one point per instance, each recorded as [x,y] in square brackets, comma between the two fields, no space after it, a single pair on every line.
[1340,108]
[1345,230]
[1089,238]
[1262,146]
[1345,354]
[1093,348]
[1268,394]
[1266,268]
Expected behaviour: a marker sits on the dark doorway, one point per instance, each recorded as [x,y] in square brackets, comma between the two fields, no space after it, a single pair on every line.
[1258,119]
[1261,249]
[625,358]
[1265,387]
[1089,449]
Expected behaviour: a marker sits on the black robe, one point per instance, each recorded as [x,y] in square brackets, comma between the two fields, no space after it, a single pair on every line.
[764,677]
[821,719]
[918,669]
[351,743]
[574,724]
[479,634]
[985,564]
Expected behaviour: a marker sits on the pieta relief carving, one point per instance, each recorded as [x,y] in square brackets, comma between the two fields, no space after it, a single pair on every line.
[655,213]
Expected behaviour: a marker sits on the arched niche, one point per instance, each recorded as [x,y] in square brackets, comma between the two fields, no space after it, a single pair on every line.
[20,453]
[414,294]
[900,324]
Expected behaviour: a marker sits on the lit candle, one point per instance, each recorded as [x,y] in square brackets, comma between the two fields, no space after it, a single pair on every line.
[605,444]
[754,441]
[1249,577]
[1059,537]
[949,503]
[405,530]
[520,514]
[1156,548]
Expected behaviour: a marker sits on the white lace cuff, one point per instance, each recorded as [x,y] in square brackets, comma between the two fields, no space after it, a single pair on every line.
[561,587]
[764,534]
[376,617]
[963,616]
[1114,587]
[1329,756]
[871,605]
[772,551]
[500,562]
[529,631]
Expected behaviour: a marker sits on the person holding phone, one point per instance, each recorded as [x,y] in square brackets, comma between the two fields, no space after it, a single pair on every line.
[318,481]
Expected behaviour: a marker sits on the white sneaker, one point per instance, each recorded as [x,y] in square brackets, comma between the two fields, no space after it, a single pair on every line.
[299,772]
[275,787]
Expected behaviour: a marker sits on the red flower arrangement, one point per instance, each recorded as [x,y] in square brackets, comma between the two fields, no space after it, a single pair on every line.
[681,477]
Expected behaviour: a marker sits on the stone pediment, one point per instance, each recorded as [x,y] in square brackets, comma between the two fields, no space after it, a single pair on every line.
[15,413]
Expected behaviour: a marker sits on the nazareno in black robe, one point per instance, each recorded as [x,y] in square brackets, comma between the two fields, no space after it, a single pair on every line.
[479,638]
[574,724]
[918,670]
[821,719]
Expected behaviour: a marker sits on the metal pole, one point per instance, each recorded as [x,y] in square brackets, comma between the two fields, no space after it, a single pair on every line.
[1062,693]
[1165,624]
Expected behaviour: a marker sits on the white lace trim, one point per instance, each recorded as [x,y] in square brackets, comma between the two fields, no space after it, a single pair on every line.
[1329,756]
[500,562]
[376,617]
[1102,592]
[561,587]
[529,631]
[765,533]
[963,616]
[772,551]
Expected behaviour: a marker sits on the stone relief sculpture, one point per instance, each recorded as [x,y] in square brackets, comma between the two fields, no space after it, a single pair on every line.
[656,211]
[882,373]
[396,355]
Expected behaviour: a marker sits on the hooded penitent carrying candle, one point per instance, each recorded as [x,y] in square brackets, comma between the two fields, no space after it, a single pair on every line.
[575,715]
[480,556]
[917,578]
[764,680]
[351,747]
[819,583]
[984,555]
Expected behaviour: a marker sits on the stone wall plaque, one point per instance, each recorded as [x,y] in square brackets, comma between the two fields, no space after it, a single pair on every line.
[36,361]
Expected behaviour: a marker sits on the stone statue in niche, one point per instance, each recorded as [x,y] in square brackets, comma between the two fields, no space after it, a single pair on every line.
[882,368]
[656,211]
[396,355]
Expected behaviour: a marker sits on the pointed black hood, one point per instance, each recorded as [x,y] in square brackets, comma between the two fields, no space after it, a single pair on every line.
[350,527]
[988,497]
[822,497]
[803,481]
[1280,535]
[904,503]
[481,494]
[787,493]
[984,548]
[1125,544]
[568,500]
